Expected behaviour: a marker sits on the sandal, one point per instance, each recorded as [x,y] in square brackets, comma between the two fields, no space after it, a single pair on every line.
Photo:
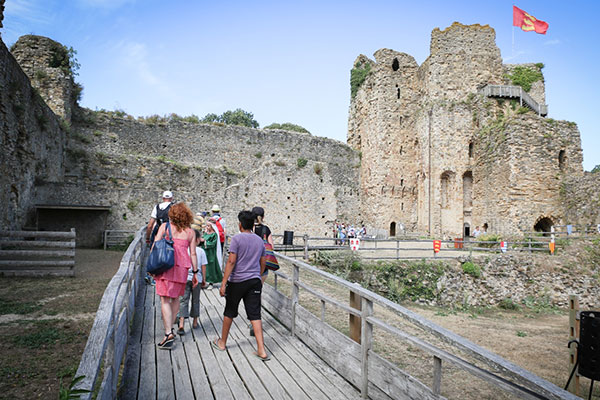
[167,342]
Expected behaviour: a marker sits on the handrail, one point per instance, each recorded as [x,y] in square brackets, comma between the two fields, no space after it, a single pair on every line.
[108,337]
[527,384]
[514,91]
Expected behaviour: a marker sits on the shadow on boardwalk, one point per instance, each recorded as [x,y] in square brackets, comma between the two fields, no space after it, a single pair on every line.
[194,370]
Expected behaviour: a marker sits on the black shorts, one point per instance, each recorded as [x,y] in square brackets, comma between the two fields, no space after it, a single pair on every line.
[250,291]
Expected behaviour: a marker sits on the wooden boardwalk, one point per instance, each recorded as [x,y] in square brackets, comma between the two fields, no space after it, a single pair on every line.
[194,370]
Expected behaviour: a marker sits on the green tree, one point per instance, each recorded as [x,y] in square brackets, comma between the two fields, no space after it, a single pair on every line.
[287,126]
[235,117]
[596,169]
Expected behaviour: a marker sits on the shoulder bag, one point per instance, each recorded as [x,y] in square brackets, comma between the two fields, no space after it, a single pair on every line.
[162,256]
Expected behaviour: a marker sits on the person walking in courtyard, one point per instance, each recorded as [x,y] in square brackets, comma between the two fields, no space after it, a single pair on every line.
[241,280]
[220,225]
[170,285]
[210,243]
[263,232]
[192,287]
[159,215]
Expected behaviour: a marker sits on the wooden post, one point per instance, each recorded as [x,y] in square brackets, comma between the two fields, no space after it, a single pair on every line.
[295,289]
[366,343]
[573,334]
[105,237]
[355,323]
[397,249]
[275,281]
[437,376]
[305,237]
[323,310]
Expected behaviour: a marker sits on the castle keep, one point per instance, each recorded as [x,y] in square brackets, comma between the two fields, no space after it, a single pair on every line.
[431,148]
[441,156]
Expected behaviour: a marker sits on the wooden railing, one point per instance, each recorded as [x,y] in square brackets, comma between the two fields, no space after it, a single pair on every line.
[514,92]
[107,341]
[405,249]
[370,372]
[33,253]
[116,237]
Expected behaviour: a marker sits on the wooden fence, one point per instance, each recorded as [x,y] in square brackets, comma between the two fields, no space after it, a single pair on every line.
[403,249]
[34,253]
[514,92]
[373,374]
[117,237]
[102,358]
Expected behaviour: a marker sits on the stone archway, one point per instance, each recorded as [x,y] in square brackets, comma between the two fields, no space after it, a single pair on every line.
[543,224]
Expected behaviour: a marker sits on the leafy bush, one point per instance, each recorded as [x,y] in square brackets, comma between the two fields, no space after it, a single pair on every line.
[358,74]
[490,238]
[471,269]
[525,77]
[508,304]
[236,117]
[287,126]
[596,169]
[302,162]
[522,110]
[64,57]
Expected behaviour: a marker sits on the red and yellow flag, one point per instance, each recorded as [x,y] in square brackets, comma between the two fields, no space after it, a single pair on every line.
[528,22]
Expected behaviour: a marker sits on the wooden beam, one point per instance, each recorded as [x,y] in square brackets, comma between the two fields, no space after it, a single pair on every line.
[354,320]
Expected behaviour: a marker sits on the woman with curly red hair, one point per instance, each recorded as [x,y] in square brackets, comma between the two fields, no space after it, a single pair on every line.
[170,285]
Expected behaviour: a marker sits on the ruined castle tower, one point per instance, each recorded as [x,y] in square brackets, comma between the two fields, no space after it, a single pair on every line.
[47,64]
[440,155]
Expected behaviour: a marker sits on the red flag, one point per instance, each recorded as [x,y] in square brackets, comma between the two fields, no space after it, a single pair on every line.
[528,22]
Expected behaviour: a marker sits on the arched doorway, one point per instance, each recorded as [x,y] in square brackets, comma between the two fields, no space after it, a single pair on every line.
[543,224]
[392,229]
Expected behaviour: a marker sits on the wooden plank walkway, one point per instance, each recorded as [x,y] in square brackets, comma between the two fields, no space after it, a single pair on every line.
[194,370]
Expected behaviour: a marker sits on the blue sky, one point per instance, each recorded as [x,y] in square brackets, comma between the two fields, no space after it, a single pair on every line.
[290,61]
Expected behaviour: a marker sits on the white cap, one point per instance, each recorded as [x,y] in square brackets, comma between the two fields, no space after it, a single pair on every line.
[167,194]
[216,208]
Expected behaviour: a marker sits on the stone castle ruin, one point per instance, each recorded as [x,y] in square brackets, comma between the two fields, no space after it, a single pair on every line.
[429,150]
[439,156]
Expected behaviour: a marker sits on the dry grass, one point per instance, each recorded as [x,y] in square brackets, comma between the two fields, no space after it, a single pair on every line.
[534,341]
[45,322]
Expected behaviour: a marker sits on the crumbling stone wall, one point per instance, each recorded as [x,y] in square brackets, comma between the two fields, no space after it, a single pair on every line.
[39,57]
[581,199]
[126,164]
[32,144]
[454,149]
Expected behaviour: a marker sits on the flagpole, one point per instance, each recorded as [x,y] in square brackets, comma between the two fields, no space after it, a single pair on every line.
[513,42]
[513,36]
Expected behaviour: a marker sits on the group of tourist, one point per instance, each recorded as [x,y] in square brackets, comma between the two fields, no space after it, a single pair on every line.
[343,231]
[198,243]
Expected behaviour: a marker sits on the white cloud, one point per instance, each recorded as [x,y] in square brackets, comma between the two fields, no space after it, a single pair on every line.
[552,42]
[31,12]
[134,60]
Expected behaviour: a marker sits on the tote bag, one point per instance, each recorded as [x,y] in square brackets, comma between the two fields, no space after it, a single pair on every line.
[162,256]
[271,260]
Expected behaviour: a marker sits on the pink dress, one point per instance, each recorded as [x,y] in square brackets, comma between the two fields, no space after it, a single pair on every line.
[171,283]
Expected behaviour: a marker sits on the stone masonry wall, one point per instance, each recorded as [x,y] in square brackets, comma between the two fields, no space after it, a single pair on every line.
[453,153]
[381,118]
[126,164]
[520,174]
[38,56]
[32,144]
[581,198]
